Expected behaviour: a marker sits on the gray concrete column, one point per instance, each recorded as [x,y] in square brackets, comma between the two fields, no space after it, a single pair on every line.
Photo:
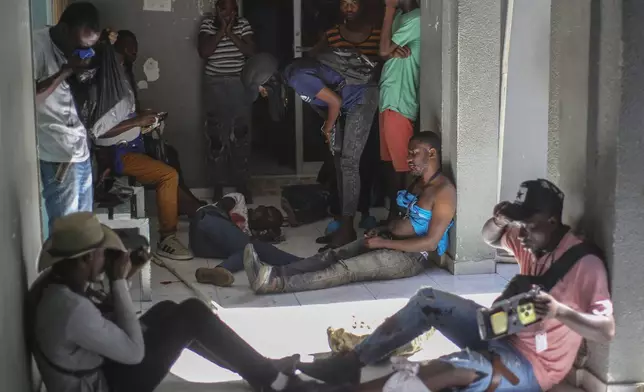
[431,59]
[524,95]
[610,164]
[471,53]
[616,201]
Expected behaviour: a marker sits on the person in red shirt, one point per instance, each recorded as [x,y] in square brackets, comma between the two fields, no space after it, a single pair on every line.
[535,359]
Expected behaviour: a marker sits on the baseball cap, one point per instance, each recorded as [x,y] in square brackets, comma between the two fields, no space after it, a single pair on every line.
[536,196]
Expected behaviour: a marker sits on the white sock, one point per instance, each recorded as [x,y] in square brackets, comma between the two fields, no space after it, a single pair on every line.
[280,382]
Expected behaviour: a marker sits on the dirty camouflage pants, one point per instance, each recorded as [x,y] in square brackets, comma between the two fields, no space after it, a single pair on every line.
[348,264]
[228,119]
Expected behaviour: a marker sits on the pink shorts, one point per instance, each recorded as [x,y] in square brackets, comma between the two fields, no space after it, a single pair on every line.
[395,132]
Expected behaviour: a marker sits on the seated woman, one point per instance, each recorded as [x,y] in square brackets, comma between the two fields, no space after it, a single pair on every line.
[118,136]
[400,250]
[78,348]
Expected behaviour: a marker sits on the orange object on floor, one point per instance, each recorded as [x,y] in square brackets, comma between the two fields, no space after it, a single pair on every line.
[149,171]
[395,132]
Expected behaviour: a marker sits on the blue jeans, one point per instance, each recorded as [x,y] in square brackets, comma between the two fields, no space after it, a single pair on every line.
[66,188]
[213,237]
[455,318]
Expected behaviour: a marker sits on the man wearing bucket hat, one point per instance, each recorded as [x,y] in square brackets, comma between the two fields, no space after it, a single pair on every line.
[77,348]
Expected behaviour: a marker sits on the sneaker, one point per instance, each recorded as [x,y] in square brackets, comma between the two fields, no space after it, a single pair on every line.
[339,369]
[251,262]
[172,248]
[217,276]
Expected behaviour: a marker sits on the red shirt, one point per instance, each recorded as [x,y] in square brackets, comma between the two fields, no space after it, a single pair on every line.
[584,289]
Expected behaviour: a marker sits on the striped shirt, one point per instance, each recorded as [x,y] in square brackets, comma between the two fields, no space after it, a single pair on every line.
[227,59]
[369,47]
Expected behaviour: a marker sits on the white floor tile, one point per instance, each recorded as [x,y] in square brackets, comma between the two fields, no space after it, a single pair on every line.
[350,293]
[400,288]
[471,284]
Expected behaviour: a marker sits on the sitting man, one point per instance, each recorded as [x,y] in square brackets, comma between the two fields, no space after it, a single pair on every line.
[327,91]
[538,357]
[127,48]
[77,348]
[397,251]
[118,136]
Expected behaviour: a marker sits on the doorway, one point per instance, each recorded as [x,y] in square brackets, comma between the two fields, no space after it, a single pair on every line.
[288,30]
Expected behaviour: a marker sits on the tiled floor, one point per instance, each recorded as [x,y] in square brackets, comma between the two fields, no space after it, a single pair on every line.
[279,325]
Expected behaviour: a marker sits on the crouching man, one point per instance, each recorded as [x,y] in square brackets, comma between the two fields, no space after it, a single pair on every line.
[538,357]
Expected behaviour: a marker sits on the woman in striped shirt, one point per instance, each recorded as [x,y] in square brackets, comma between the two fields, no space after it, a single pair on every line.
[225,41]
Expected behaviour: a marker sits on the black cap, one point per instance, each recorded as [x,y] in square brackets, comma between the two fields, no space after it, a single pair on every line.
[536,196]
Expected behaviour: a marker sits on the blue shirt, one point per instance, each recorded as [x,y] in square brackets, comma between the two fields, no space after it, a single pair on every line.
[308,77]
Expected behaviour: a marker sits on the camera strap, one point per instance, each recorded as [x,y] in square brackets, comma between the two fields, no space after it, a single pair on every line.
[523,283]
[564,264]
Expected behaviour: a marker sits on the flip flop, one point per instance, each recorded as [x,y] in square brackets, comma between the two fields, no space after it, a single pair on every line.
[217,276]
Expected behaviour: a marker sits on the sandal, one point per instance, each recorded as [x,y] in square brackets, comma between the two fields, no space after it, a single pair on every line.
[217,276]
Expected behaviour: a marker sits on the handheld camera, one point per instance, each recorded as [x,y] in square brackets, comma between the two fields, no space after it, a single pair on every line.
[509,316]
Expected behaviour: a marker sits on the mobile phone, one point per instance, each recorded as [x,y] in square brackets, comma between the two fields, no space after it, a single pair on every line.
[85,54]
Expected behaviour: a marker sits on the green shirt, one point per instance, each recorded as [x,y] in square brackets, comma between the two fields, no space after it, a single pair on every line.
[400,78]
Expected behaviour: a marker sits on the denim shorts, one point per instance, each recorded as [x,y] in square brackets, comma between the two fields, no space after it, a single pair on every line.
[511,358]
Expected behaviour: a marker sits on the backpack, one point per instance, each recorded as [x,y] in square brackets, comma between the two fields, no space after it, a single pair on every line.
[305,203]
[354,67]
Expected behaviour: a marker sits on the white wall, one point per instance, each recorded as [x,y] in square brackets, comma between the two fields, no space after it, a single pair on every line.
[525,96]
[19,202]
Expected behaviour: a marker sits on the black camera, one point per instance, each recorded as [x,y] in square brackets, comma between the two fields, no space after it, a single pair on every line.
[508,316]
[135,243]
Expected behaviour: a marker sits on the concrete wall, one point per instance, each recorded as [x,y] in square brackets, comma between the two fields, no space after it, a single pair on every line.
[431,99]
[523,132]
[568,114]
[20,223]
[597,132]
[471,54]
[169,38]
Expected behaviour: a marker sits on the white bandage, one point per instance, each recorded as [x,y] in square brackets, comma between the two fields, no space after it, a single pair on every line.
[405,379]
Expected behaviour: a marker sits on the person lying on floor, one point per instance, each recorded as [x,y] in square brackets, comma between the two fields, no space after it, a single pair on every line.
[126,46]
[78,349]
[221,231]
[118,137]
[400,250]
[577,306]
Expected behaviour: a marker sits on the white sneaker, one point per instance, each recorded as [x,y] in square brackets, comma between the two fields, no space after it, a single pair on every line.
[172,248]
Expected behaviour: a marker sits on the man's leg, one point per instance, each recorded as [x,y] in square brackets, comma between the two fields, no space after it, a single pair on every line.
[150,171]
[60,189]
[453,316]
[85,185]
[265,278]
[356,133]
[215,237]
[395,132]
[190,324]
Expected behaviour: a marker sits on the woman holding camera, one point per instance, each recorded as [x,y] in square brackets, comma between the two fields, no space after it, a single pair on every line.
[78,348]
